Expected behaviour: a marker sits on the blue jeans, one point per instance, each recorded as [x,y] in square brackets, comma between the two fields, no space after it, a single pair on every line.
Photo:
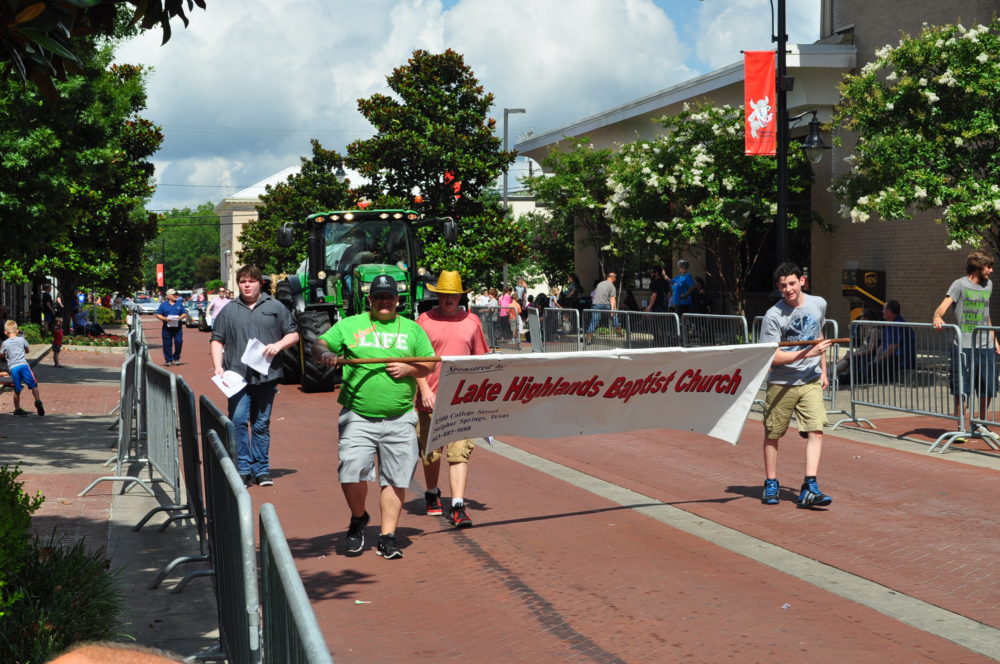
[173,340]
[250,411]
[595,319]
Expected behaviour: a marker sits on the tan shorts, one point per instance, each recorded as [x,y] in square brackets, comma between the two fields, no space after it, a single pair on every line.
[803,401]
[459,451]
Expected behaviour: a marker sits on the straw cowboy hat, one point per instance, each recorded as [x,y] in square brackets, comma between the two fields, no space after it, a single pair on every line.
[449,283]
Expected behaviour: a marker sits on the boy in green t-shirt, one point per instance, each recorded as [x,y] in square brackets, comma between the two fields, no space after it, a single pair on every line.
[378,415]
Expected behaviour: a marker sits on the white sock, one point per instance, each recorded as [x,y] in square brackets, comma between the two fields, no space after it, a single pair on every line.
[455,502]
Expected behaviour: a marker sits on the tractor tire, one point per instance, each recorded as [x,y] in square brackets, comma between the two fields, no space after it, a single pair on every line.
[291,366]
[283,294]
[291,369]
[315,377]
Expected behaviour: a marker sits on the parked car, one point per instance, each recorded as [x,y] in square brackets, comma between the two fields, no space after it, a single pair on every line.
[146,304]
[205,322]
[194,314]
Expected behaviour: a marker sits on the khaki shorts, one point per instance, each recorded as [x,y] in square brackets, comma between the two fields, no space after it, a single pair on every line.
[803,401]
[459,451]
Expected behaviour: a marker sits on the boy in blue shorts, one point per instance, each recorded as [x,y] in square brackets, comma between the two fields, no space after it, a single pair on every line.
[15,350]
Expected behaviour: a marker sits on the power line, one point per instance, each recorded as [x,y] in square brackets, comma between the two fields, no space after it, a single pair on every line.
[210,186]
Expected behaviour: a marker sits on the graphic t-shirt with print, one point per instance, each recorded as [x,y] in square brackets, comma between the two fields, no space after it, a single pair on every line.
[367,389]
[786,323]
[972,309]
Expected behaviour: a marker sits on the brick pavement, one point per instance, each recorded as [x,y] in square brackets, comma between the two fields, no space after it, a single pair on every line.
[553,572]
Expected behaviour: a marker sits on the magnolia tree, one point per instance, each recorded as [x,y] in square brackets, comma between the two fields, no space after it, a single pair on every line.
[695,186]
[928,114]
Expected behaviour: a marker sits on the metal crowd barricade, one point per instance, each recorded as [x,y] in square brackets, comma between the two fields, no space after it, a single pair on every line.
[499,329]
[650,329]
[713,330]
[291,633]
[212,419]
[917,382]
[194,508]
[832,331]
[128,431]
[161,427]
[561,331]
[603,328]
[981,391]
[231,540]
[535,330]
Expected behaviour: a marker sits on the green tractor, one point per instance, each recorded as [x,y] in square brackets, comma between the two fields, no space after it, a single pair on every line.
[346,250]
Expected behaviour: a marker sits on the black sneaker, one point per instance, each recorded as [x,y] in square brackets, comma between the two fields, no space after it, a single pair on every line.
[458,517]
[20,412]
[356,533]
[811,496]
[387,547]
[247,480]
[433,502]
[264,480]
[40,408]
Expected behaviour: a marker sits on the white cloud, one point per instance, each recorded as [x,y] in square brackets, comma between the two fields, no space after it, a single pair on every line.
[242,90]
[725,27]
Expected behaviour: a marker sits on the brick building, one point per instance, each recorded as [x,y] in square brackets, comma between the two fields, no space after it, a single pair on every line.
[917,266]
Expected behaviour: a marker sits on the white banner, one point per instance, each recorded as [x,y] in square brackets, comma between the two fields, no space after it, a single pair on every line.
[553,395]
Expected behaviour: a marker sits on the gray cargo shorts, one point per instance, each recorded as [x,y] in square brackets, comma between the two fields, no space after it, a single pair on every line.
[392,439]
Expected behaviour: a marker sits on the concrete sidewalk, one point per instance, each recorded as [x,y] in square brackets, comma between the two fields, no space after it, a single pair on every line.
[62,453]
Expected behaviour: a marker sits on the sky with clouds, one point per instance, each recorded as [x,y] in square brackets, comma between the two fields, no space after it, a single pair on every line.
[243,89]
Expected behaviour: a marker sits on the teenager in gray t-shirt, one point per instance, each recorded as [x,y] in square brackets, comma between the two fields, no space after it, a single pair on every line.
[783,322]
[796,384]
[970,296]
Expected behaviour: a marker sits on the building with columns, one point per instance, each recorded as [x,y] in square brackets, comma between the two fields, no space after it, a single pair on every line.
[235,211]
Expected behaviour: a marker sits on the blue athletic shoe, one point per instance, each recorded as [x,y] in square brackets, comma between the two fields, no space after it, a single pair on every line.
[771,490]
[811,496]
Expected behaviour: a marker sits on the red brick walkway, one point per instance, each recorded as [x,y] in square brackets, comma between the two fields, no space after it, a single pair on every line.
[552,572]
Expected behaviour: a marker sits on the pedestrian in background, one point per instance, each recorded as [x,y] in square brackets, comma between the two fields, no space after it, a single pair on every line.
[254,315]
[969,297]
[57,340]
[682,287]
[172,313]
[15,350]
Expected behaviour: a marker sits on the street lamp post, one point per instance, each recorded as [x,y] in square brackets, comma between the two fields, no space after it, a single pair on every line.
[813,145]
[506,112]
[781,222]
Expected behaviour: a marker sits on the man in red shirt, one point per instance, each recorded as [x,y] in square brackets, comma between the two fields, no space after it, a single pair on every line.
[452,332]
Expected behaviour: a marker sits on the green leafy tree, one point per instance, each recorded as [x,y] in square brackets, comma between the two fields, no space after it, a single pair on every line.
[37,39]
[486,241]
[188,245]
[574,196]
[694,185]
[313,189]
[928,117]
[435,139]
[74,176]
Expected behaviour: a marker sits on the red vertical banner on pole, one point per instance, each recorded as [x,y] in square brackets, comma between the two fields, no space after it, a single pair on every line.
[761,129]
[159,275]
